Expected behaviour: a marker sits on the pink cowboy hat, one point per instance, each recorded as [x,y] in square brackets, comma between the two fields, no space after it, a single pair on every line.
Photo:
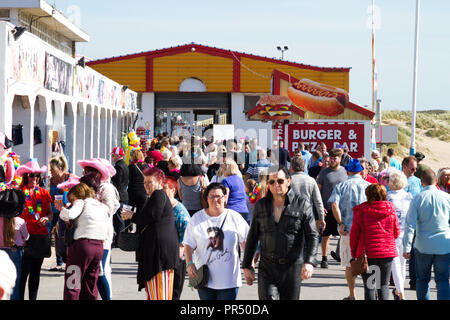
[71,182]
[30,167]
[101,165]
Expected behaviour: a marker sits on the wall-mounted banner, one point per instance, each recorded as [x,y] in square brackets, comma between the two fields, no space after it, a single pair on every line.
[27,63]
[58,75]
[85,81]
[334,134]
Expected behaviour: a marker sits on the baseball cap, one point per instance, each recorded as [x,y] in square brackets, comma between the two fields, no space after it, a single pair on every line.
[118,151]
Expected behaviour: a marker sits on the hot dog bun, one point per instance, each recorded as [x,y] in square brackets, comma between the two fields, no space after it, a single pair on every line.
[318,97]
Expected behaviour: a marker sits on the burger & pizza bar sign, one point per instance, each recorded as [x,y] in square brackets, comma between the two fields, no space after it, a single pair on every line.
[339,134]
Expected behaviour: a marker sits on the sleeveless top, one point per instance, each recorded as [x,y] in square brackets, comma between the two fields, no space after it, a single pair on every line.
[191,195]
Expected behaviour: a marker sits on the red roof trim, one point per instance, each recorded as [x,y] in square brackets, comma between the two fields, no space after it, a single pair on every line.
[213,51]
[278,75]
[361,110]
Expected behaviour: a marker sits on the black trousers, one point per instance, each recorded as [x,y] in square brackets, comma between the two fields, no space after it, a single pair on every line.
[279,281]
[379,279]
[178,281]
[31,271]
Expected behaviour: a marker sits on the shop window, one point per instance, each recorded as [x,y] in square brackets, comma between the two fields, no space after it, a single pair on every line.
[139,102]
[250,102]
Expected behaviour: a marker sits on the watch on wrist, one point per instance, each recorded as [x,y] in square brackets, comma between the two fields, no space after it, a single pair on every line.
[340,223]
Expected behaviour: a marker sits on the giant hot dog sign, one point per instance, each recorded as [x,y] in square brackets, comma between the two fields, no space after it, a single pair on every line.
[334,134]
[318,97]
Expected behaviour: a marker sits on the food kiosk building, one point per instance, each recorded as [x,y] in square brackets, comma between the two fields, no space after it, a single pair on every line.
[193,85]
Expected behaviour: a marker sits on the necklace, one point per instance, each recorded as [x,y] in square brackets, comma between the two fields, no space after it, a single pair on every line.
[29,204]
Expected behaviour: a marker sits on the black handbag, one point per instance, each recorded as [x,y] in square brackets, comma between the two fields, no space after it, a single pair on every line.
[202,278]
[37,246]
[129,241]
[69,233]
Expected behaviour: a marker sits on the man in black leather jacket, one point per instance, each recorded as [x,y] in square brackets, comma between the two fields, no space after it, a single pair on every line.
[284,224]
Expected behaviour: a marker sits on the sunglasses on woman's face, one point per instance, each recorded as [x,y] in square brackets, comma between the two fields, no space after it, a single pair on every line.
[279,181]
[216,197]
[34,175]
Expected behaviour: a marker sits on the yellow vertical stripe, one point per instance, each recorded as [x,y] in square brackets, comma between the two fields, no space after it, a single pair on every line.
[160,287]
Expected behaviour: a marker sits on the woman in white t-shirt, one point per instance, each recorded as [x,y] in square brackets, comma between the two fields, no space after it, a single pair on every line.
[214,235]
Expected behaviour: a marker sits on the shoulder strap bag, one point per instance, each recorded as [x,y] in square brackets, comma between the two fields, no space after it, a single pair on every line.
[359,265]
[129,241]
[203,272]
[69,233]
[202,193]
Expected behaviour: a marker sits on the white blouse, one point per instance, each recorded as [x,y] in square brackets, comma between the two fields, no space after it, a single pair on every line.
[93,219]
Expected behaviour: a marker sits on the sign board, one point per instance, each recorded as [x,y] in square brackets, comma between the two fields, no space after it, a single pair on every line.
[333,133]
[386,134]
[223,132]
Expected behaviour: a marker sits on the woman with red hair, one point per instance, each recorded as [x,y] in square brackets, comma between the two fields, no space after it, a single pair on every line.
[182,218]
[158,252]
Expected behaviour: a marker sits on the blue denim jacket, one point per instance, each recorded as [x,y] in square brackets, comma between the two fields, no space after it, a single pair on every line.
[347,195]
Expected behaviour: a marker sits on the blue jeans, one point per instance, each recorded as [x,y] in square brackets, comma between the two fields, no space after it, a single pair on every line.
[217,294]
[16,258]
[104,280]
[441,268]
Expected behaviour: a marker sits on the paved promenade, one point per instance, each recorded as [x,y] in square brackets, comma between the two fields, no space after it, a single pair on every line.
[325,284]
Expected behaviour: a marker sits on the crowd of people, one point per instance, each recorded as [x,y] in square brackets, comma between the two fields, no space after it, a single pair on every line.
[226,205]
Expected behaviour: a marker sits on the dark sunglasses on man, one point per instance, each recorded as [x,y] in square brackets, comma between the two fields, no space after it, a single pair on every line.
[34,175]
[279,181]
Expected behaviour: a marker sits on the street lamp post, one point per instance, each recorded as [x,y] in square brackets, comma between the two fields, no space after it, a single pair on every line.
[282,51]
[412,149]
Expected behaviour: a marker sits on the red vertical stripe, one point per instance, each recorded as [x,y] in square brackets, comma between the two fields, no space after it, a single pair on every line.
[149,73]
[236,74]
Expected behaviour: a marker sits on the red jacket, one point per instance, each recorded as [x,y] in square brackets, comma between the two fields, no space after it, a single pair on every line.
[381,229]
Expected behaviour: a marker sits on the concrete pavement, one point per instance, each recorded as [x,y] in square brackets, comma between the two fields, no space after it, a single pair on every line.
[325,284]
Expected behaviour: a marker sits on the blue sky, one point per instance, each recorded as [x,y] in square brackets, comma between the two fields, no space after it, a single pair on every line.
[328,33]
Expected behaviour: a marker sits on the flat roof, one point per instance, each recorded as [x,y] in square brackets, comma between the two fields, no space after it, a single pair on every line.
[57,21]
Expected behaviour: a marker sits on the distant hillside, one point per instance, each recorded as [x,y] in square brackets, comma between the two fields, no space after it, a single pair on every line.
[432,135]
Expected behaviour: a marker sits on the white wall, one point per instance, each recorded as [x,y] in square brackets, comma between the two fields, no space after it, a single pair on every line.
[251,129]
[148,111]
[40,115]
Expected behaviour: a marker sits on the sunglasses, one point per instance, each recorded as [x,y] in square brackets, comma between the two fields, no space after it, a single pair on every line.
[34,175]
[215,197]
[279,181]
